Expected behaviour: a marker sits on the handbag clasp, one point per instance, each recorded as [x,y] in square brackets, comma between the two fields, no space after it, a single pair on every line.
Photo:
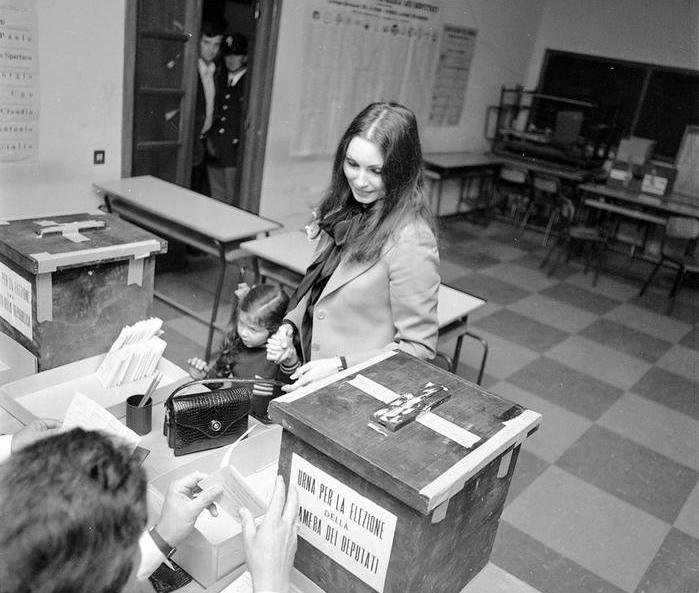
[215,425]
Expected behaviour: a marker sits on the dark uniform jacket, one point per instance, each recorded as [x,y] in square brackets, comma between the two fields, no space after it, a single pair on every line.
[227,130]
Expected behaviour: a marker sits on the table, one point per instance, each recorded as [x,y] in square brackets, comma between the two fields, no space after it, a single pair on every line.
[565,174]
[204,223]
[463,166]
[291,252]
[634,205]
[671,205]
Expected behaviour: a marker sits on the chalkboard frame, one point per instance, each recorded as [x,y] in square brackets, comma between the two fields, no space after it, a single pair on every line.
[627,87]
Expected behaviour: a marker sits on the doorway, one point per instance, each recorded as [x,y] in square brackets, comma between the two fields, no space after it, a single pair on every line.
[160,78]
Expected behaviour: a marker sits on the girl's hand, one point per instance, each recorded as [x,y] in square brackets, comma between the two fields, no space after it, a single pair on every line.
[198,368]
[312,371]
[280,346]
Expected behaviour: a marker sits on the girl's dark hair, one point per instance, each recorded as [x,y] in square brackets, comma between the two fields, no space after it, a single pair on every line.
[394,129]
[266,304]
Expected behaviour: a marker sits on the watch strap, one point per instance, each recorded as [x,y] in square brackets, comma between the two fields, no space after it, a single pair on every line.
[163,546]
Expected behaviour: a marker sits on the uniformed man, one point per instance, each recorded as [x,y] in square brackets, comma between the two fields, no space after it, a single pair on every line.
[227,132]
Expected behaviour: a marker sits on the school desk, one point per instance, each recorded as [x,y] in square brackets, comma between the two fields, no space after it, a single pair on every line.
[466,167]
[285,256]
[196,220]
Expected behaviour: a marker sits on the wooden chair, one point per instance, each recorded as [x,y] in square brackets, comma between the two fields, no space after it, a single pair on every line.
[591,240]
[545,197]
[678,248]
[512,191]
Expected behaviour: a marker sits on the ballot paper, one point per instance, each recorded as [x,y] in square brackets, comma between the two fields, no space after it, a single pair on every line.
[243,584]
[134,354]
[87,414]
[236,492]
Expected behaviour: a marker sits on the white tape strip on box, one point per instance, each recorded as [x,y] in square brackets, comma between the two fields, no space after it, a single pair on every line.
[437,423]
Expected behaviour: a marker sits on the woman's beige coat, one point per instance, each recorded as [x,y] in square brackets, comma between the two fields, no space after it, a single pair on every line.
[368,308]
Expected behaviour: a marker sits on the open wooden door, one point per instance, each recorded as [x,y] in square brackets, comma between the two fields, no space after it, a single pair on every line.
[159,77]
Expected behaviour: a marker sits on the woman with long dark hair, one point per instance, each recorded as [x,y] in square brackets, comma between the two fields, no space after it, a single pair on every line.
[374,282]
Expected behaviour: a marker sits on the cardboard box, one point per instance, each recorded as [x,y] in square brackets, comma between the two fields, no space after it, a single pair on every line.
[69,283]
[48,394]
[411,510]
[215,547]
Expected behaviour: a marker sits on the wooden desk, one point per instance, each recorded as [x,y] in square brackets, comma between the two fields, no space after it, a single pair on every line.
[465,166]
[204,223]
[565,174]
[672,205]
[292,252]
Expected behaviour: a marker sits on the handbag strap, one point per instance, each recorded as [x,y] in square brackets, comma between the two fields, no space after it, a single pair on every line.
[231,383]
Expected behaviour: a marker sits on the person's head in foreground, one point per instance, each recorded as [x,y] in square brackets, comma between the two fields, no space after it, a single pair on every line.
[72,509]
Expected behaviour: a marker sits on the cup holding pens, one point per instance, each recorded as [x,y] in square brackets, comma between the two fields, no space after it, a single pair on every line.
[139,417]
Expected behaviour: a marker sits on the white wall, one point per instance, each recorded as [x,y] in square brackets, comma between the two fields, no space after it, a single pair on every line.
[506,36]
[663,32]
[81,63]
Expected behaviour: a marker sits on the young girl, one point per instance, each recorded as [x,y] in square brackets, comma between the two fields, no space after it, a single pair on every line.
[243,353]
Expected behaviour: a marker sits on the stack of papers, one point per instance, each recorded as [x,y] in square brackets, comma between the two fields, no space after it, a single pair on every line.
[135,353]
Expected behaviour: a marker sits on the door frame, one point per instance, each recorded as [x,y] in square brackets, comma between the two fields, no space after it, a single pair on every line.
[267,17]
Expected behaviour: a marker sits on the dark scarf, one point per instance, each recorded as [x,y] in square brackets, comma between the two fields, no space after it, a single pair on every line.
[321,269]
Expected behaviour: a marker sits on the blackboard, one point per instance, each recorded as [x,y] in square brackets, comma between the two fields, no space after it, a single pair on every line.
[645,100]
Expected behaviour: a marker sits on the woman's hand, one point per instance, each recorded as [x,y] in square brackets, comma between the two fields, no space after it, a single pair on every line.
[197,368]
[312,371]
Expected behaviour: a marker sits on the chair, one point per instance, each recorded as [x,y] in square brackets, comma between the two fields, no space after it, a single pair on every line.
[545,196]
[512,190]
[678,248]
[571,236]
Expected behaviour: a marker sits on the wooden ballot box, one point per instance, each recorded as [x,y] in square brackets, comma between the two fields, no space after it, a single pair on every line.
[70,283]
[411,509]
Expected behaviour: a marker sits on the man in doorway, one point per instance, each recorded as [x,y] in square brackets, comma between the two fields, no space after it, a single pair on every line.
[227,132]
[209,45]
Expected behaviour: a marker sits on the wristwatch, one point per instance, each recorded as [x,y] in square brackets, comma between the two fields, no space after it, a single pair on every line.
[163,546]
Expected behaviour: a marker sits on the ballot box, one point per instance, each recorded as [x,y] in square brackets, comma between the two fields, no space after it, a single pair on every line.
[69,283]
[391,507]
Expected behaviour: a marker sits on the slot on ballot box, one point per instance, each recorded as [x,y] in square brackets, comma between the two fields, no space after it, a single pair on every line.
[415,509]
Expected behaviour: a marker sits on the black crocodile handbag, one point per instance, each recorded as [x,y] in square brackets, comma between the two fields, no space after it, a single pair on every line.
[212,416]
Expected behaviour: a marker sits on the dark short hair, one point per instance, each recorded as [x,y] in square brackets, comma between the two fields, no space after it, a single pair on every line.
[213,28]
[73,507]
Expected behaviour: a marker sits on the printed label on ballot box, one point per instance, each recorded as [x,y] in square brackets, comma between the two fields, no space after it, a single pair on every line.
[346,526]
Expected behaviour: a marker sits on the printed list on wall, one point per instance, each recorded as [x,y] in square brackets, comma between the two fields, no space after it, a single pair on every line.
[449,90]
[346,526]
[19,81]
[357,52]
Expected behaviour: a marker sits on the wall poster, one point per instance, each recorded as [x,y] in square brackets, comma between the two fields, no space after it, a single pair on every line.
[357,52]
[346,526]
[19,81]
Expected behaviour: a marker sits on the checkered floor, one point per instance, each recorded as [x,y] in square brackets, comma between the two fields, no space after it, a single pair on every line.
[605,496]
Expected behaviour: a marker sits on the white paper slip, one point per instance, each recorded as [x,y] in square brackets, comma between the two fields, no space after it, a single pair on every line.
[236,492]
[89,415]
[243,584]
